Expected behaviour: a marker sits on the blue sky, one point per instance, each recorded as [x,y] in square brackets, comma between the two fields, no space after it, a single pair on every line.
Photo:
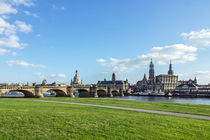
[50,39]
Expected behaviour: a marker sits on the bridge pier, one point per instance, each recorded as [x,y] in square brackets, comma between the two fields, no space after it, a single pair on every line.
[38,92]
[121,92]
[109,92]
[93,91]
[70,93]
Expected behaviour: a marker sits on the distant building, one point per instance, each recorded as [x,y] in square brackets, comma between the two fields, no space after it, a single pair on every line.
[188,81]
[76,80]
[120,84]
[44,82]
[142,85]
[186,88]
[191,87]
[163,82]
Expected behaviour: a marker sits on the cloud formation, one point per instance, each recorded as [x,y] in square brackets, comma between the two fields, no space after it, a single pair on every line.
[31,14]
[52,76]
[101,60]
[27,3]
[178,53]
[4,51]
[198,38]
[40,75]
[22,63]
[6,8]
[23,27]
[58,7]
[8,31]
[60,75]
[12,41]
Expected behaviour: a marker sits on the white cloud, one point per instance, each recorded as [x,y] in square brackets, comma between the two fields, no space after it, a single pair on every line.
[178,53]
[6,28]
[58,75]
[14,54]
[52,76]
[8,31]
[40,75]
[4,51]
[24,64]
[101,60]
[6,8]
[23,27]
[58,7]
[203,73]
[31,14]
[12,42]
[27,3]
[198,38]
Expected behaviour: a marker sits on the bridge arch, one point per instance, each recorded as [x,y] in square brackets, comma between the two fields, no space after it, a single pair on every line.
[102,93]
[115,93]
[25,92]
[58,92]
[83,93]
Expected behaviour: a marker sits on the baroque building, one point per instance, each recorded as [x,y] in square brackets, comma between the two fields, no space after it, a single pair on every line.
[120,84]
[142,85]
[163,82]
[76,80]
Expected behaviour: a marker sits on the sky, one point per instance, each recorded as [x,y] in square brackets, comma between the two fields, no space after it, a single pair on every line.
[51,39]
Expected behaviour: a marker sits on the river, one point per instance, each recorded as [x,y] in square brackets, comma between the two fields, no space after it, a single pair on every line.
[196,100]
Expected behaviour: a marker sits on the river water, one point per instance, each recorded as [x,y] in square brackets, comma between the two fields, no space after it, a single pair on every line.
[196,100]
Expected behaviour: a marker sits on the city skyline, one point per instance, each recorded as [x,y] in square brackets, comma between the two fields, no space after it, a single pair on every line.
[50,40]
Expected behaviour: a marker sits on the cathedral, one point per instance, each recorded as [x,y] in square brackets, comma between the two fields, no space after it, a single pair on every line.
[163,82]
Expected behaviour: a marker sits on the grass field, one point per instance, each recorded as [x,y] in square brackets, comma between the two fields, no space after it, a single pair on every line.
[173,107]
[37,120]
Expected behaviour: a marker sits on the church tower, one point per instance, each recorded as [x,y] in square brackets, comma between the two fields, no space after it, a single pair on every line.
[77,79]
[151,73]
[113,77]
[170,71]
[195,80]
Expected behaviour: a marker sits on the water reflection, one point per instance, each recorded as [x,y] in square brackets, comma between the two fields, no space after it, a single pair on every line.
[168,99]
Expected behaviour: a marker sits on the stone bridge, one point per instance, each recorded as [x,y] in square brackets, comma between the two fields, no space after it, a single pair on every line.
[64,91]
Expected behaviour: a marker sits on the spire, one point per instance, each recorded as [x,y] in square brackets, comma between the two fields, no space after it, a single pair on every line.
[151,62]
[170,71]
[151,73]
[113,77]
[145,77]
[195,80]
[151,70]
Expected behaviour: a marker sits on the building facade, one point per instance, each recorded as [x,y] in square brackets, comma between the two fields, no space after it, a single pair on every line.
[120,84]
[163,82]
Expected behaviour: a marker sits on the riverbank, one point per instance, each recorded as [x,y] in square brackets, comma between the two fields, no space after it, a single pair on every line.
[38,120]
[174,95]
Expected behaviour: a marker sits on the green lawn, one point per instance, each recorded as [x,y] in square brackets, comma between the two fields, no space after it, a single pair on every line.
[172,107]
[37,120]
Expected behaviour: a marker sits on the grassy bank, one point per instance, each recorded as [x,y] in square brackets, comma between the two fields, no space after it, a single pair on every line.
[172,107]
[38,120]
